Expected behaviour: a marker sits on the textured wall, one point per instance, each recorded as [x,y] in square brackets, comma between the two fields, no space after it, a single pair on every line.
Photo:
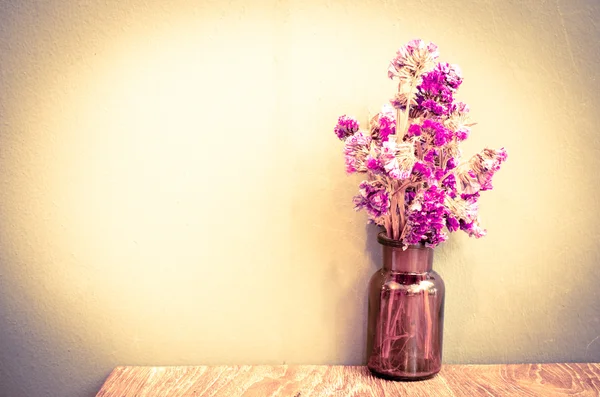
[172,191]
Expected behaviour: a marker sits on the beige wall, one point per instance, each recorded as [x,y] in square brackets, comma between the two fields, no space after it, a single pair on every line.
[172,191]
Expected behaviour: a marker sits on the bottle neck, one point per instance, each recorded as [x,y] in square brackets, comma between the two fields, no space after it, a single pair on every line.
[415,259]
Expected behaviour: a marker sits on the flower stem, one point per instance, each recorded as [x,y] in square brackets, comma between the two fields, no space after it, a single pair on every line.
[419,149]
[395,221]
[387,346]
[402,118]
[388,226]
[428,324]
[399,135]
[443,159]
[407,113]
[398,197]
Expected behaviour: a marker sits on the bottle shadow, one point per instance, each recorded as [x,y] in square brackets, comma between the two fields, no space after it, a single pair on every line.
[374,253]
[350,323]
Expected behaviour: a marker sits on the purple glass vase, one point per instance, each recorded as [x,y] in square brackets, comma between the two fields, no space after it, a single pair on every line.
[406,314]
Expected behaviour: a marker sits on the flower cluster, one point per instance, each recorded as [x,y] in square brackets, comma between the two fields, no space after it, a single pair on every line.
[426,217]
[356,150]
[435,94]
[385,124]
[416,186]
[346,127]
[374,198]
[412,60]
[477,174]
[431,132]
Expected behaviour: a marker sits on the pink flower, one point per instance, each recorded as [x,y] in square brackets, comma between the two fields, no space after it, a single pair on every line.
[412,60]
[427,218]
[414,130]
[373,164]
[374,198]
[398,160]
[387,123]
[345,127]
[477,174]
[356,149]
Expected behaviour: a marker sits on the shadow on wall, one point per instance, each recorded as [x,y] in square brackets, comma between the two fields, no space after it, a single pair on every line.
[352,303]
[375,255]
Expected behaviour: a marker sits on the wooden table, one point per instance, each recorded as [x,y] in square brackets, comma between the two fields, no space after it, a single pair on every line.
[344,381]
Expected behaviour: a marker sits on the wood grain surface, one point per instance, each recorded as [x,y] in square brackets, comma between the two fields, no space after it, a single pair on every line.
[319,380]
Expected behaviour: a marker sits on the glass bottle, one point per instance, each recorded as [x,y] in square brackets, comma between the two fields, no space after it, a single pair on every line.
[406,314]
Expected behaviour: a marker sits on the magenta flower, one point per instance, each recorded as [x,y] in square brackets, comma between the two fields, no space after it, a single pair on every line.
[431,156]
[435,93]
[449,184]
[345,127]
[374,198]
[473,229]
[397,159]
[373,164]
[431,106]
[426,218]
[452,74]
[356,150]
[464,210]
[423,171]
[462,134]
[451,164]
[414,130]
[461,107]
[452,224]
[412,60]
[387,126]
[477,174]
[435,133]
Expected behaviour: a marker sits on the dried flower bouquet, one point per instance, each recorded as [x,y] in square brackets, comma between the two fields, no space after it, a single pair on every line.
[416,186]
